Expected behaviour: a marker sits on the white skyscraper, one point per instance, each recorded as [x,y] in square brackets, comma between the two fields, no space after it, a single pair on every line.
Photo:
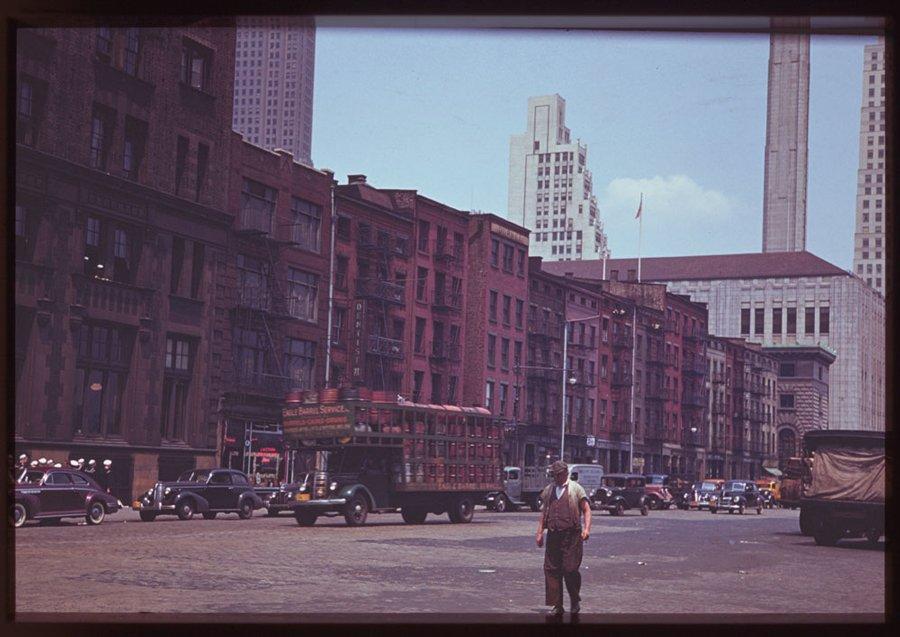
[273,83]
[868,250]
[550,190]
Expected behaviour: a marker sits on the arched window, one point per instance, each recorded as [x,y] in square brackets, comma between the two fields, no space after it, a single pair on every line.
[787,446]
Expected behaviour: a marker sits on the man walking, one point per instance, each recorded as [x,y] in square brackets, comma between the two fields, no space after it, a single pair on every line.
[563,504]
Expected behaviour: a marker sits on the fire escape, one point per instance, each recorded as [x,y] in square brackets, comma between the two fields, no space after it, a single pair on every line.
[383,348]
[446,303]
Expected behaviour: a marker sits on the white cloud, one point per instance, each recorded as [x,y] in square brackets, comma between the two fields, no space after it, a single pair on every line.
[669,198]
[680,217]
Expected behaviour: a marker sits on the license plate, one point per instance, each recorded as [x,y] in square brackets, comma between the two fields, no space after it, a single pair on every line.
[135,505]
[302,497]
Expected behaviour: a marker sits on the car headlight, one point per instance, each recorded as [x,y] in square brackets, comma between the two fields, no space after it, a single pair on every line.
[333,486]
[302,488]
[291,495]
[167,491]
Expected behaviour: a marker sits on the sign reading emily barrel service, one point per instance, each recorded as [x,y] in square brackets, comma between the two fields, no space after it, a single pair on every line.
[317,421]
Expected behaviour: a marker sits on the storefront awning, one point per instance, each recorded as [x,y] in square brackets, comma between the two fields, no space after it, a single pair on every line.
[773,471]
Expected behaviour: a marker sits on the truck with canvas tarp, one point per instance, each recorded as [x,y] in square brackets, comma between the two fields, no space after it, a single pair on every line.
[844,495]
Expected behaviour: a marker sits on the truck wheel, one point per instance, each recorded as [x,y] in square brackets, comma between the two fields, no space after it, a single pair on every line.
[537,503]
[413,516]
[305,518]
[19,514]
[620,509]
[826,534]
[806,527]
[357,511]
[500,504]
[461,511]
[147,516]
[873,535]
[185,510]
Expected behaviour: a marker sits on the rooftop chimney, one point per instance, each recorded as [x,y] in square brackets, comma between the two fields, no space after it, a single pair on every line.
[356,179]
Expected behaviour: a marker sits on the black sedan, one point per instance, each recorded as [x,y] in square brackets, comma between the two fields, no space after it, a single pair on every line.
[619,492]
[204,491]
[50,494]
[736,495]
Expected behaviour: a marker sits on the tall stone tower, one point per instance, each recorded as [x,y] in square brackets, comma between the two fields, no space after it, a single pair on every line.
[787,124]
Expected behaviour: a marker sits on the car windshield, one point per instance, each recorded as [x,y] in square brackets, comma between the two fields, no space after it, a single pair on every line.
[708,486]
[194,475]
[734,486]
[613,482]
[31,477]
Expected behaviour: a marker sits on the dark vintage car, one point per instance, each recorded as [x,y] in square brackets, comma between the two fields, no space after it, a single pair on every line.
[619,492]
[283,498]
[50,494]
[698,496]
[768,498]
[204,491]
[736,495]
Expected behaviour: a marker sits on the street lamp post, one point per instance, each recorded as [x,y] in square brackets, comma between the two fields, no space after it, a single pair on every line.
[562,441]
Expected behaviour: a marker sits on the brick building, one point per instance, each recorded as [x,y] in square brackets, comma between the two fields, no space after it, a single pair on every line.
[497,294]
[271,300]
[117,245]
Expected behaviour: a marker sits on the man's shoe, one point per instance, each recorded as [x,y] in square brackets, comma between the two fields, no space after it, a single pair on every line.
[556,611]
[576,608]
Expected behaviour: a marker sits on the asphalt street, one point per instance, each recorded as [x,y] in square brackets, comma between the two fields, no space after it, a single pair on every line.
[669,566]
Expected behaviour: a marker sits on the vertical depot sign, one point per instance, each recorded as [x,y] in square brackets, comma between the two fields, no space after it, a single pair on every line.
[358,339]
[317,421]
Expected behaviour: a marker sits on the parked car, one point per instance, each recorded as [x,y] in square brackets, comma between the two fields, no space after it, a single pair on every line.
[52,494]
[619,492]
[736,495]
[658,495]
[768,498]
[204,491]
[700,491]
[772,486]
[679,487]
[283,498]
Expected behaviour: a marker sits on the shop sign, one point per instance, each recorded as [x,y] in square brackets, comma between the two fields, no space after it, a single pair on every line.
[317,421]
[358,338]
[591,441]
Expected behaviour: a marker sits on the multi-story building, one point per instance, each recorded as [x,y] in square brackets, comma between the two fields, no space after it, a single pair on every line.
[719,407]
[271,300]
[803,379]
[273,83]
[782,298]
[869,242]
[550,188]
[497,294]
[117,246]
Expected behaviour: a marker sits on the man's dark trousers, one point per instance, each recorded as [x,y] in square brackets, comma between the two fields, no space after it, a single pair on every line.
[562,560]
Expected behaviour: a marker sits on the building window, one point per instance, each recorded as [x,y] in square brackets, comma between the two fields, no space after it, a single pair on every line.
[108,251]
[343,227]
[823,320]
[508,254]
[29,110]
[103,356]
[520,263]
[792,320]
[424,228]
[132,51]
[251,357]
[101,135]
[504,353]
[202,165]
[303,294]
[520,313]
[135,142]
[787,370]
[104,43]
[257,207]
[451,390]
[195,65]
[180,161]
[300,362]
[786,401]
[307,220]
[489,395]
[507,302]
[421,279]
[504,398]
[339,319]
[776,320]
[492,306]
[759,321]
[495,252]
[418,344]
[418,377]
[491,350]
[745,320]
[435,389]
[253,282]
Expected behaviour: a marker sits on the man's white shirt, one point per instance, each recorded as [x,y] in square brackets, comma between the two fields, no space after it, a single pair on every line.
[560,489]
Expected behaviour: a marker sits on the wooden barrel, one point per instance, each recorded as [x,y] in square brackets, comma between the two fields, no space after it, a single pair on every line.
[295,396]
[329,395]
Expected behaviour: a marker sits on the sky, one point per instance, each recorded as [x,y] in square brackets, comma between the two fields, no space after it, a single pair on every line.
[681,118]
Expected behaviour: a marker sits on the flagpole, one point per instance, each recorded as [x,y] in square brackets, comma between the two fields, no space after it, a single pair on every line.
[640,235]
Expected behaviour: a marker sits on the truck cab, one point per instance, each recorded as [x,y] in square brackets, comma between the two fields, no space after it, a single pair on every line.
[522,486]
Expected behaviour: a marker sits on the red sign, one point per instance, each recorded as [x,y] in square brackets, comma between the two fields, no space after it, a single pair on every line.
[358,337]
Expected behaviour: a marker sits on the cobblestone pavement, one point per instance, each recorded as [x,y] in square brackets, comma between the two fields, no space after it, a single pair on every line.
[667,566]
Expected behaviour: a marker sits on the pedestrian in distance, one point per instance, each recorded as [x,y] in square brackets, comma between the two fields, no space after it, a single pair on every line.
[81,464]
[564,504]
[104,478]
[23,462]
[91,466]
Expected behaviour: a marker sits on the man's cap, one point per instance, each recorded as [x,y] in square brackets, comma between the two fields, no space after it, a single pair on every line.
[73,463]
[23,457]
[559,467]
[92,462]
[107,463]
